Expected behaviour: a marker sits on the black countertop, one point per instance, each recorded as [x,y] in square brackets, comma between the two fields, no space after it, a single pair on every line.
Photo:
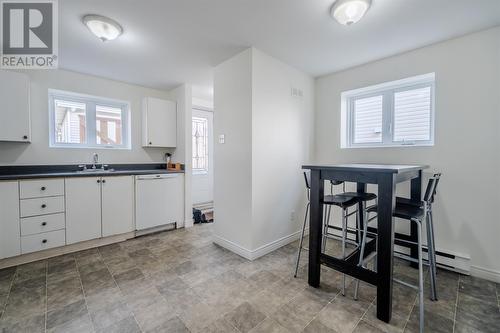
[14,172]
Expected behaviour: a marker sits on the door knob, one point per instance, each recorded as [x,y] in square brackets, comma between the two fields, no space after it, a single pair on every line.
[44,241]
[44,224]
[43,188]
[44,206]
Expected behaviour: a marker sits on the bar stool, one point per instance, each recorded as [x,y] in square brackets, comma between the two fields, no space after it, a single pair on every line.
[418,212]
[339,200]
[344,201]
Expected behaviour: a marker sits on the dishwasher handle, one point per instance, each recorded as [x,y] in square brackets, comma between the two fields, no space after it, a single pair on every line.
[156,176]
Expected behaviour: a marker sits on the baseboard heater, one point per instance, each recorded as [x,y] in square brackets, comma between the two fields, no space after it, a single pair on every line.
[444,259]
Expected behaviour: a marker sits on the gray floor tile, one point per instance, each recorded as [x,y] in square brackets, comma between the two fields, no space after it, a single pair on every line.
[269,326]
[110,315]
[364,327]
[220,326]
[27,324]
[69,313]
[126,325]
[343,314]
[478,288]
[483,316]
[245,317]
[433,322]
[81,324]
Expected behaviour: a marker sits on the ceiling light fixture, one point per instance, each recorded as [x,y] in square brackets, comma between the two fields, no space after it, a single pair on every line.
[347,12]
[103,27]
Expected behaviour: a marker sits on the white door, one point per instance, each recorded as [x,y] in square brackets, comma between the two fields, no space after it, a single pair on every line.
[10,239]
[203,156]
[117,205]
[15,109]
[83,209]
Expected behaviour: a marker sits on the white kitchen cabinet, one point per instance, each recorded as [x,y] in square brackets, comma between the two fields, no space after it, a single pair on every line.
[159,123]
[83,209]
[15,108]
[117,205]
[10,239]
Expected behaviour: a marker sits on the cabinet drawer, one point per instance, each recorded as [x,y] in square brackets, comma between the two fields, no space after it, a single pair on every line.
[42,206]
[41,188]
[44,223]
[43,241]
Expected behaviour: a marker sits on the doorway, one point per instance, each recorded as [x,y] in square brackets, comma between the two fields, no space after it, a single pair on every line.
[202,164]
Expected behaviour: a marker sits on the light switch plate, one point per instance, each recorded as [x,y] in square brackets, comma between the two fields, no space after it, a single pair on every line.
[222,138]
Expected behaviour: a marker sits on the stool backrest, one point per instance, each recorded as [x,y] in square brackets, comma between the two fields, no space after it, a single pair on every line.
[430,191]
[307,178]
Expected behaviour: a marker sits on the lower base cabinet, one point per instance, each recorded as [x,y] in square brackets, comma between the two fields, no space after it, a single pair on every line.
[117,205]
[98,207]
[10,239]
[83,209]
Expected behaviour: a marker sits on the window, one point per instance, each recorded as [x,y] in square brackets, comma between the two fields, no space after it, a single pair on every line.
[83,121]
[200,144]
[398,113]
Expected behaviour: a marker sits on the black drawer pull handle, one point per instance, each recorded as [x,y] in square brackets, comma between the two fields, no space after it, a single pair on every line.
[150,143]
[44,206]
[98,181]
[44,241]
[44,224]
[104,180]
[43,188]
[25,137]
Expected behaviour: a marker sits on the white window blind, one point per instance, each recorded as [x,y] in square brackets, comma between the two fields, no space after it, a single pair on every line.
[412,115]
[368,119]
[397,113]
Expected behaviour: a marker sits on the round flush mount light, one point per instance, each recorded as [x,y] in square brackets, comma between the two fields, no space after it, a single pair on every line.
[347,12]
[103,27]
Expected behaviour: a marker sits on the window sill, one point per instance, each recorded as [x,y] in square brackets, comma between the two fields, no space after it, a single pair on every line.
[390,146]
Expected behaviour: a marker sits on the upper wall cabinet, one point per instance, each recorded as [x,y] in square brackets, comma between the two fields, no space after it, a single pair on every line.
[159,123]
[14,107]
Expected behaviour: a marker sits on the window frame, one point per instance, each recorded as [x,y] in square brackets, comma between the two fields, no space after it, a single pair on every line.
[387,90]
[90,102]
[199,171]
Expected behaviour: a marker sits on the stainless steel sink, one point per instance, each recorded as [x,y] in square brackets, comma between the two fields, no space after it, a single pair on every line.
[96,170]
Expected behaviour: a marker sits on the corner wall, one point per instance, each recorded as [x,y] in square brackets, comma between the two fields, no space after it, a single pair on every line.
[259,192]
[467,138]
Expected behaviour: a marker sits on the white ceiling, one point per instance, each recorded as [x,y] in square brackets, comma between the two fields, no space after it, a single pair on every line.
[169,42]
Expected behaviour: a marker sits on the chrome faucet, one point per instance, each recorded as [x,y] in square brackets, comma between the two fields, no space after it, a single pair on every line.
[95,159]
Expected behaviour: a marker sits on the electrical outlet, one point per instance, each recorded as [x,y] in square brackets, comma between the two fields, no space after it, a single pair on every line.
[222,138]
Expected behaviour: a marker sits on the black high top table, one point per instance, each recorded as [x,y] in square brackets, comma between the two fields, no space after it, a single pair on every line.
[386,176]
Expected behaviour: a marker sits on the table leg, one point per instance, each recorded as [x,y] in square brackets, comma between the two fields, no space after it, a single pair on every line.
[385,245]
[416,194]
[315,228]
[360,188]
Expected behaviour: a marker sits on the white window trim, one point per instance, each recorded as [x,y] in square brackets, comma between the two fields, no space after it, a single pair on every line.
[386,89]
[91,102]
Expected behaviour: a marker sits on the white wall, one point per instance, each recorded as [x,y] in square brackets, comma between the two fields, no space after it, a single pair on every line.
[39,152]
[233,159]
[258,178]
[281,144]
[467,138]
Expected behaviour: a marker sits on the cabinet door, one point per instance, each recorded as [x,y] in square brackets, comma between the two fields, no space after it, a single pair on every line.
[15,109]
[117,205]
[10,237]
[83,209]
[161,123]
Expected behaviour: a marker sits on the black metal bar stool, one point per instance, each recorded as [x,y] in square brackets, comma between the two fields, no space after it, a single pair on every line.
[344,201]
[418,212]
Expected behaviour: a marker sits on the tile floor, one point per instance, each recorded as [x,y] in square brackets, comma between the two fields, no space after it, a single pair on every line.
[179,281]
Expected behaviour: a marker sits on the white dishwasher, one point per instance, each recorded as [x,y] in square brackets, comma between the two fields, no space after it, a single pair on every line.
[159,202]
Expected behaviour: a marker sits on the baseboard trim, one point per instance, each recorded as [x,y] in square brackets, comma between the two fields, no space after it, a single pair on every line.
[49,253]
[258,252]
[485,273]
